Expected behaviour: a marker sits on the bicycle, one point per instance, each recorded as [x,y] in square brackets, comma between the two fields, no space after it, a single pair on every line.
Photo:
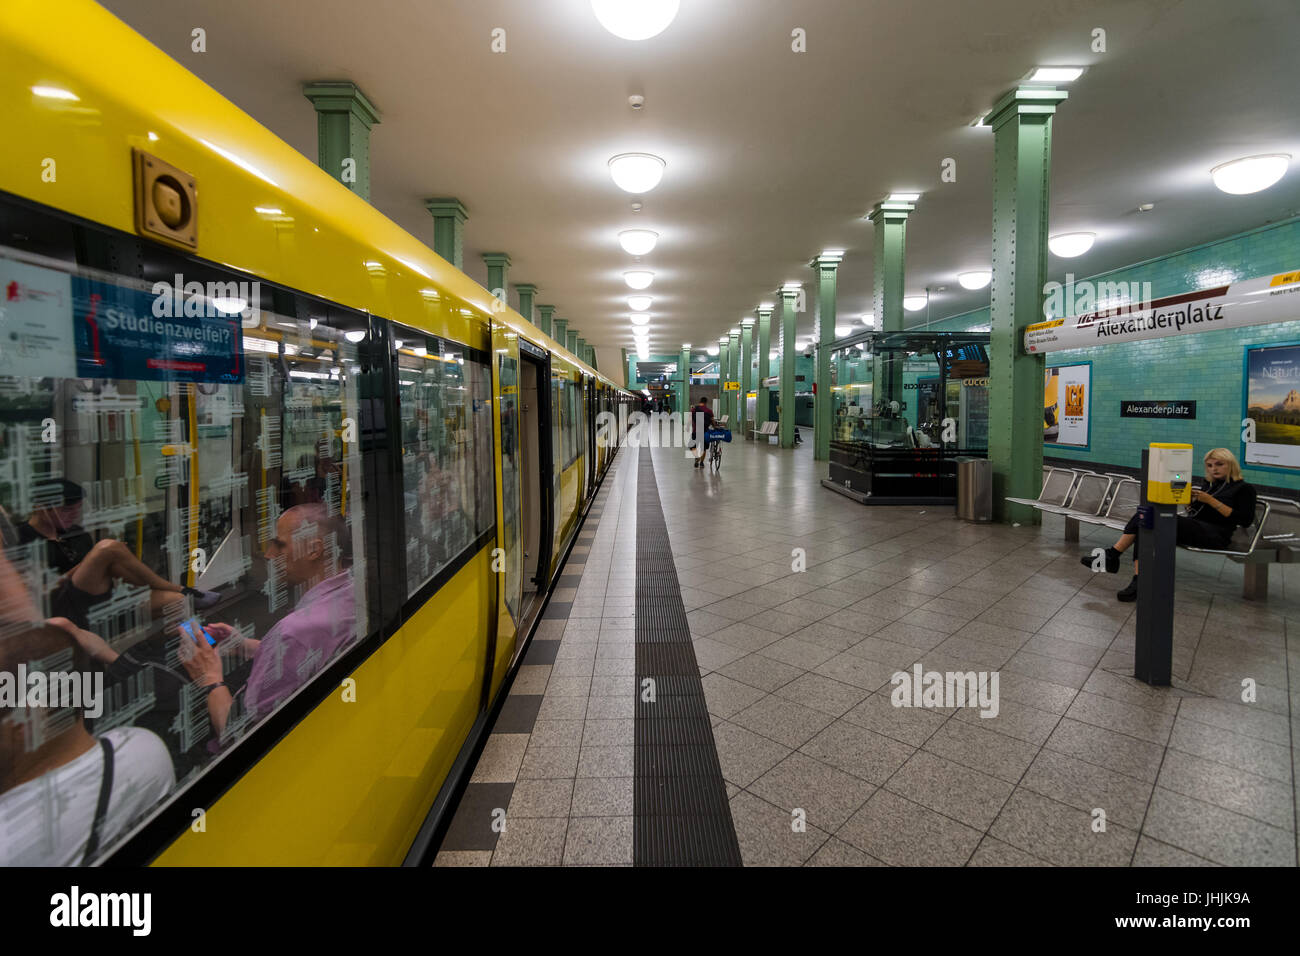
[715,455]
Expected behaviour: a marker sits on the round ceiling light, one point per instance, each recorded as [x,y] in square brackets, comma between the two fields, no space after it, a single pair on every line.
[639,303]
[635,19]
[638,242]
[640,318]
[712,350]
[1071,244]
[773,355]
[1251,174]
[636,172]
[638,280]
[975,280]
[915,303]
[356,335]
[869,319]
[841,331]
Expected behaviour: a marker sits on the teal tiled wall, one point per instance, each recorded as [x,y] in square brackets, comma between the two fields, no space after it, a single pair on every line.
[1205,366]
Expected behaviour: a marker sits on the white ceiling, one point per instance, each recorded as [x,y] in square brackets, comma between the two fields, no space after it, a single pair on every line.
[772,155]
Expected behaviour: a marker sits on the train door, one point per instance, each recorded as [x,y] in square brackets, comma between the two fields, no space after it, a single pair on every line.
[507,558]
[590,427]
[535,463]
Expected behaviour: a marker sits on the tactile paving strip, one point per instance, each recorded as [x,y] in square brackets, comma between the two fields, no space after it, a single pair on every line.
[681,813]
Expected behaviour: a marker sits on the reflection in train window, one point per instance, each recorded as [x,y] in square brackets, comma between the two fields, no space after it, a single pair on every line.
[182,505]
[446,410]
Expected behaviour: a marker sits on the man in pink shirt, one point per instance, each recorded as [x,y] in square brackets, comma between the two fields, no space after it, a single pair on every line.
[308,542]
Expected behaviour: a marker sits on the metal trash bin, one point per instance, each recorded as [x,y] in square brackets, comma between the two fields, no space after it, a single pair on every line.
[975,489]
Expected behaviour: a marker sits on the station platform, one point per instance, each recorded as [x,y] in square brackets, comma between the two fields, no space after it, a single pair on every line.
[770,737]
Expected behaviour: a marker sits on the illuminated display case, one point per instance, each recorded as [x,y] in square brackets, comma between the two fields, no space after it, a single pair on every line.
[905,407]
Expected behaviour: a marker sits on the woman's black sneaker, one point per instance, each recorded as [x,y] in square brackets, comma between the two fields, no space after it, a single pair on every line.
[1130,593]
[1112,561]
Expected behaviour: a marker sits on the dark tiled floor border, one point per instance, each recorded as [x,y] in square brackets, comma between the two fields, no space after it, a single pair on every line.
[681,816]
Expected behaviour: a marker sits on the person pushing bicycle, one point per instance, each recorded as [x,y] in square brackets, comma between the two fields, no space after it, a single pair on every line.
[699,435]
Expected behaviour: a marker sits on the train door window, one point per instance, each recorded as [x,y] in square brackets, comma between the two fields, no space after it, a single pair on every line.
[508,375]
[184,520]
[532,470]
[445,404]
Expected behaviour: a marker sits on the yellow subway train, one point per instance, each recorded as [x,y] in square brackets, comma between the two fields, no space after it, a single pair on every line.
[283,491]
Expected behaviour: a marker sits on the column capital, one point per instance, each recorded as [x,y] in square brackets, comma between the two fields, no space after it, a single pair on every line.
[891,210]
[1024,101]
[496,259]
[764,311]
[789,292]
[526,287]
[341,96]
[447,209]
[827,261]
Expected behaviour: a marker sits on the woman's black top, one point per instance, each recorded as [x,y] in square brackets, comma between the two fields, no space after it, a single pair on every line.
[1238,495]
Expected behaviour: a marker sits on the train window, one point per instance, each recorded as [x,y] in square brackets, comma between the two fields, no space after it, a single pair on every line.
[445,396]
[183,523]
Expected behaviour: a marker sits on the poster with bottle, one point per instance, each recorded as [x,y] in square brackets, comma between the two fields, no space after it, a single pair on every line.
[1067,399]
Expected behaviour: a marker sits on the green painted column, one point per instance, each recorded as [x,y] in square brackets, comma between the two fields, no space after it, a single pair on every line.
[733,375]
[344,117]
[764,365]
[1022,162]
[527,293]
[449,217]
[746,355]
[580,349]
[683,403]
[723,371]
[591,357]
[572,343]
[544,320]
[560,332]
[627,374]
[788,353]
[498,266]
[890,240]
[825,268]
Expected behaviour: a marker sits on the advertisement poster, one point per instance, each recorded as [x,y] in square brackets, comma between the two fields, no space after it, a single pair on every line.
[35,322]
[119,334]
[1066,400]
[1273,403]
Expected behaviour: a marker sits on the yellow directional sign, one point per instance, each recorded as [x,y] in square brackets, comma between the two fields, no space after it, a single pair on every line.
[731,386]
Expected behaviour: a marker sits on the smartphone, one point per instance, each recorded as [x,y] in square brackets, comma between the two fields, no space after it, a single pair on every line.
[193,628]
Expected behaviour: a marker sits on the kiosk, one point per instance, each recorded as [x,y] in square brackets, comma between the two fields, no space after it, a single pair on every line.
[905,406]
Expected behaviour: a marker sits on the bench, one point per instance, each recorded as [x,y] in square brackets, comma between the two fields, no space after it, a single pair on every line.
[1109,500]
[766,429]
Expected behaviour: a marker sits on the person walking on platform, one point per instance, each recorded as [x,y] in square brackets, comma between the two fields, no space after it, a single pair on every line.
[701,422]
[1225,503]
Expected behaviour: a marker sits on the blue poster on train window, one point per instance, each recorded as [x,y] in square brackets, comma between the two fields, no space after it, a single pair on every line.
[127,333]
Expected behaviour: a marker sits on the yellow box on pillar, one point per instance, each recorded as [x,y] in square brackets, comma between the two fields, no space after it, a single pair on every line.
[1169,473]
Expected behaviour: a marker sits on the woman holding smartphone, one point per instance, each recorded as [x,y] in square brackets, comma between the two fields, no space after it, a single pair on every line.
[1225,503]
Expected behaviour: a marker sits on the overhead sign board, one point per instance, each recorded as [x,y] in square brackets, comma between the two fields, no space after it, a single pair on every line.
[1259,301]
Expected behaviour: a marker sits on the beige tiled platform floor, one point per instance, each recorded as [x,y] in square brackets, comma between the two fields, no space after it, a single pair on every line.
[796,668]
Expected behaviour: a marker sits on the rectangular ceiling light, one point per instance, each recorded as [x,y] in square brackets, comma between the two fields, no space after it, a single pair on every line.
[1056,74]
[904,197]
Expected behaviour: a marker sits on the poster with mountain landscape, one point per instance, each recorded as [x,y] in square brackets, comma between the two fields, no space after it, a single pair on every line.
[1273,403]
